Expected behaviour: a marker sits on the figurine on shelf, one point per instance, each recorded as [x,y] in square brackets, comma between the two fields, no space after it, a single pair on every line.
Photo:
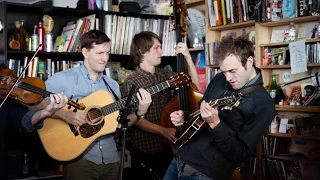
[19,34]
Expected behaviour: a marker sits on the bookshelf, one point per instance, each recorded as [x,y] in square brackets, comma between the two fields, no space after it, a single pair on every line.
[308,168]
[233,26]
[292,136]
[12,12]
[196,49]
[287,66]
[193,3]
[298,159]
[305,109]
[287,43]
[289,20]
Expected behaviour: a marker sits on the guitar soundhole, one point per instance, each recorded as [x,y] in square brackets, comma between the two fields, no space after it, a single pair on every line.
[94,115]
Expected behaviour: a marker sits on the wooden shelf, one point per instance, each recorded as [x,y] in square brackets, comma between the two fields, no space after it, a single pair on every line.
[287,66]
[233,26]
[195,3]
[290,108]
[213,66]
[288,21]
[298,159]
[308,137]
[196,49]
[71,55]
[287,43]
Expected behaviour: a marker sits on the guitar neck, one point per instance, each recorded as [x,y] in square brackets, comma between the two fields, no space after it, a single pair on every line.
[110,108]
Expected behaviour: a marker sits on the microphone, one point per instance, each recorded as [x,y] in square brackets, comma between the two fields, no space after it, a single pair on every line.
[122,119]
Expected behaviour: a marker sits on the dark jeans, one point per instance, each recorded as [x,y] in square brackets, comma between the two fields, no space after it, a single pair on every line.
[86,170]
[141,163]
[182,171]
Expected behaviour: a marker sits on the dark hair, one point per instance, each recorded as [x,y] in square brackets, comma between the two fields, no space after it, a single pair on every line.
[93,37]
[239,47]
[142,43]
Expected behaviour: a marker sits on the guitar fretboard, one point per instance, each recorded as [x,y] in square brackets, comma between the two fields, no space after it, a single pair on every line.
[110,108]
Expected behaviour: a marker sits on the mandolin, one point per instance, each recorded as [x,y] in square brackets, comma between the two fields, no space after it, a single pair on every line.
[194,122]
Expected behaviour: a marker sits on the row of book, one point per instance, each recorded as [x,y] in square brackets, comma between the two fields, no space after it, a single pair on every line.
[209,49]
[313,52]
[276,146]
[281,56]
[279,169]
[41,68]
[69,40]
[282,9]
[222,12]
[121,30]
[275,169]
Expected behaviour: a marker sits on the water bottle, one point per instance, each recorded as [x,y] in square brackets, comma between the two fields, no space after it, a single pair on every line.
[273,87]
[25,166]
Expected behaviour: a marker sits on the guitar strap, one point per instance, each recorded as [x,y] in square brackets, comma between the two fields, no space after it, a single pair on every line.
[249,89]
[113,93]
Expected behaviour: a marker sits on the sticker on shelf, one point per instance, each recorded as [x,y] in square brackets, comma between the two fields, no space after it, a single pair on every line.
[286,77]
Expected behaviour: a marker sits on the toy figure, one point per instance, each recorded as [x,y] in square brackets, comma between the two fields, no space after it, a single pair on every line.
[314,31]
[20,34]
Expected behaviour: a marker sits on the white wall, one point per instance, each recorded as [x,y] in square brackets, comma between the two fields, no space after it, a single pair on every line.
[65,3]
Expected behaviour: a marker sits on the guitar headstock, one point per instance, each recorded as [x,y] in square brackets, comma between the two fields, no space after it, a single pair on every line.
[180,15]
[228,102]
[179,79]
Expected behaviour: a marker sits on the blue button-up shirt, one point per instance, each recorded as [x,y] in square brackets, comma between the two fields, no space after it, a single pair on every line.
[77,82]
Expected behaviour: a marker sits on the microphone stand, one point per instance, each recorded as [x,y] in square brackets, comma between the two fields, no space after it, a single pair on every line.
[122,128]
[20,75]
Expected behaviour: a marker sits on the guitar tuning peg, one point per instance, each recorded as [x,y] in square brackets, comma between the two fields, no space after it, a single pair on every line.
[71,97]
[69,107]
[77,100]
[75,110]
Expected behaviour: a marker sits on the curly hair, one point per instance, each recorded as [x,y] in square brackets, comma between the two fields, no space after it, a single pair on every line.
[142,43]
[239,47]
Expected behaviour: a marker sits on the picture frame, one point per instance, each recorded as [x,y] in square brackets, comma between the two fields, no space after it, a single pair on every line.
[278,56]
[295,93]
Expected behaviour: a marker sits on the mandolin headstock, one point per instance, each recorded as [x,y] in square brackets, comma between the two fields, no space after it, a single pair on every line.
[228,102]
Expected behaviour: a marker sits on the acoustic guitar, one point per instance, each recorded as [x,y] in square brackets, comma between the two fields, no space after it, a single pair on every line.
[65,142]
[194,122]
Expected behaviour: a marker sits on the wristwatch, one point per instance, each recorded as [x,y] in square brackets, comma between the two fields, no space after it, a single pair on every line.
[138,116]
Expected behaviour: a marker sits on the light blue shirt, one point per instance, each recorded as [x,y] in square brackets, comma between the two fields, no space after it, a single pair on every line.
[77,82]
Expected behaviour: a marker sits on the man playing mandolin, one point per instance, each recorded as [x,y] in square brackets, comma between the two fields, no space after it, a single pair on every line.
[101,159]
[228,137]
[147,145]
